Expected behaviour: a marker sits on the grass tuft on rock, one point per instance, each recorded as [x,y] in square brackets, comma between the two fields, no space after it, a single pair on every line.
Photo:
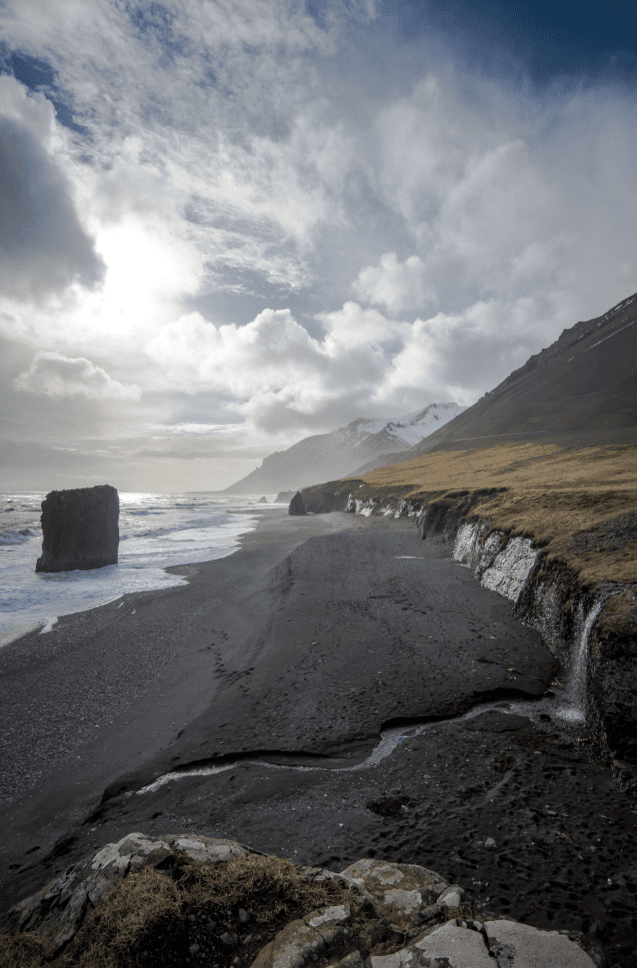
[153,917]
[28,950]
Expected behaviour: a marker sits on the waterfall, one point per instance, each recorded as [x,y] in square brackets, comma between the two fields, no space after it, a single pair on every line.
[575,692]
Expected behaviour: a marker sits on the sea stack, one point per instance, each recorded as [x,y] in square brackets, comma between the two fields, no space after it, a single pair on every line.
[297,504]
[80,529]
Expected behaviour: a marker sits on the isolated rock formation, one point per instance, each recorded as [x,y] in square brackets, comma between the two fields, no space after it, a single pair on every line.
[79,529]
[262,500]
[297,505]
[386,915]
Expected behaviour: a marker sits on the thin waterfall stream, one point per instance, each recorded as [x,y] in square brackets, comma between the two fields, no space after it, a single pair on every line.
[566,709]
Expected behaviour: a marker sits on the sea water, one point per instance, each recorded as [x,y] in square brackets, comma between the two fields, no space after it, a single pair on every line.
[155,532]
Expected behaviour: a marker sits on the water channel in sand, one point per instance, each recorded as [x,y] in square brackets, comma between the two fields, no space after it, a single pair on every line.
[564,709]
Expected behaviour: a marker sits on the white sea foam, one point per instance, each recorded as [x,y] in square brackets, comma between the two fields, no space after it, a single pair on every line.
[156,531]
[9,536]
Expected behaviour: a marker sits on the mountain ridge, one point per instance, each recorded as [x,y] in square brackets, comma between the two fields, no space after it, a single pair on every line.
[335,454]
[548,400]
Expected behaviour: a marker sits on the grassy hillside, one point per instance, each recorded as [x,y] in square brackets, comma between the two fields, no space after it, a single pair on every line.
[581,505]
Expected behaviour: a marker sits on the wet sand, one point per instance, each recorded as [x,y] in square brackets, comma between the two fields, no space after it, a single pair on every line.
[289,659]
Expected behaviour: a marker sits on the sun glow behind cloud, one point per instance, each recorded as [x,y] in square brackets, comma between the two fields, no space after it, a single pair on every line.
[143,273]
[239,231]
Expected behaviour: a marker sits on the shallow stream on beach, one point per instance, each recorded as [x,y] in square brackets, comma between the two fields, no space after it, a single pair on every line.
[552,712]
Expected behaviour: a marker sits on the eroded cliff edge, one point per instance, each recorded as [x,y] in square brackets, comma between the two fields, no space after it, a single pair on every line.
[588,622]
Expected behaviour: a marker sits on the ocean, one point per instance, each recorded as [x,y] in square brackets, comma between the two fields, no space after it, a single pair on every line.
[155,530]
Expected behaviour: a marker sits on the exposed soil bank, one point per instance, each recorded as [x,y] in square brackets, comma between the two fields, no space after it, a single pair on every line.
[549,597]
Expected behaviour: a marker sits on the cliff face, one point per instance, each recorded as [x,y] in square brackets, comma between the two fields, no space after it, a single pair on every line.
[592,631]
[324,498]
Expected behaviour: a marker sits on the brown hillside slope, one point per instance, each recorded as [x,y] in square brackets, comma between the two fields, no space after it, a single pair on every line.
[580,392]
[559,498]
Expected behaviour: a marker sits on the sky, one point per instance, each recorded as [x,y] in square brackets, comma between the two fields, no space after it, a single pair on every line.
[228,225]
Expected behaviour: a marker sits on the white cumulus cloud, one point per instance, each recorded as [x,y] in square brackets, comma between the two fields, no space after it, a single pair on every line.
[56,375]
[398,286]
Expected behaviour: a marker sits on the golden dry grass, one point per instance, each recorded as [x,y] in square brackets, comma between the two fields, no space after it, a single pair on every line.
[549,495]
[143,921]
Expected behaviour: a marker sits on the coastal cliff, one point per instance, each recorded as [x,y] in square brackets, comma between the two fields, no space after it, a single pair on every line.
[577,587]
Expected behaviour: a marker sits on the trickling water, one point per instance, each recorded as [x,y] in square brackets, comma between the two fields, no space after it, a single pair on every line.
[570,708]
[576,685]
[390,739]
[575,693]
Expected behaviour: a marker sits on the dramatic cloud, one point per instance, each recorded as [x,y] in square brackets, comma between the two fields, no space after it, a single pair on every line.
[264,220]
[56,375]
[43,247]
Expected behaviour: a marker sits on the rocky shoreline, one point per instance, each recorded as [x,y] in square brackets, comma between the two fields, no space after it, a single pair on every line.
[373,914]
[385,705]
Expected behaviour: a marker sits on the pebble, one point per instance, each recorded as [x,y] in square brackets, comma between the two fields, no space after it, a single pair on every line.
[244,916]
[193,949]
[490,843]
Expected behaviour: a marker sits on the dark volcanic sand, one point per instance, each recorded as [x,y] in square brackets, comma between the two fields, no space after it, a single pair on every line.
[304,665]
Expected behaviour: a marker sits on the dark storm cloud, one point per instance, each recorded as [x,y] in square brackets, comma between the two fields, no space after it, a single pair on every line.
[43,247]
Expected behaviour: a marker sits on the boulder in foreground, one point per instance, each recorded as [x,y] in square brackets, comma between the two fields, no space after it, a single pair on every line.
[167,899]
[79,529]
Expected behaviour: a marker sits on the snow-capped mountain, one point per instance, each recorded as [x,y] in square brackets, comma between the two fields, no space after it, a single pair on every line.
[325,457]
[414,427]
[578,392]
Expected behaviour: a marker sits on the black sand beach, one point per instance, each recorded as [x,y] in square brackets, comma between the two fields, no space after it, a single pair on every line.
[297,651]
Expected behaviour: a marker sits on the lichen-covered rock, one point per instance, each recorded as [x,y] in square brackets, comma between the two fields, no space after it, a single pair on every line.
[62,905]
[463,947]
[403,894]
[404,918]
[79,529]
[528,947]
[309,939]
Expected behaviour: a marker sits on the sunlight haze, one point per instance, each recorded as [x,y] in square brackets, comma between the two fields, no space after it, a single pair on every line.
[228,226]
